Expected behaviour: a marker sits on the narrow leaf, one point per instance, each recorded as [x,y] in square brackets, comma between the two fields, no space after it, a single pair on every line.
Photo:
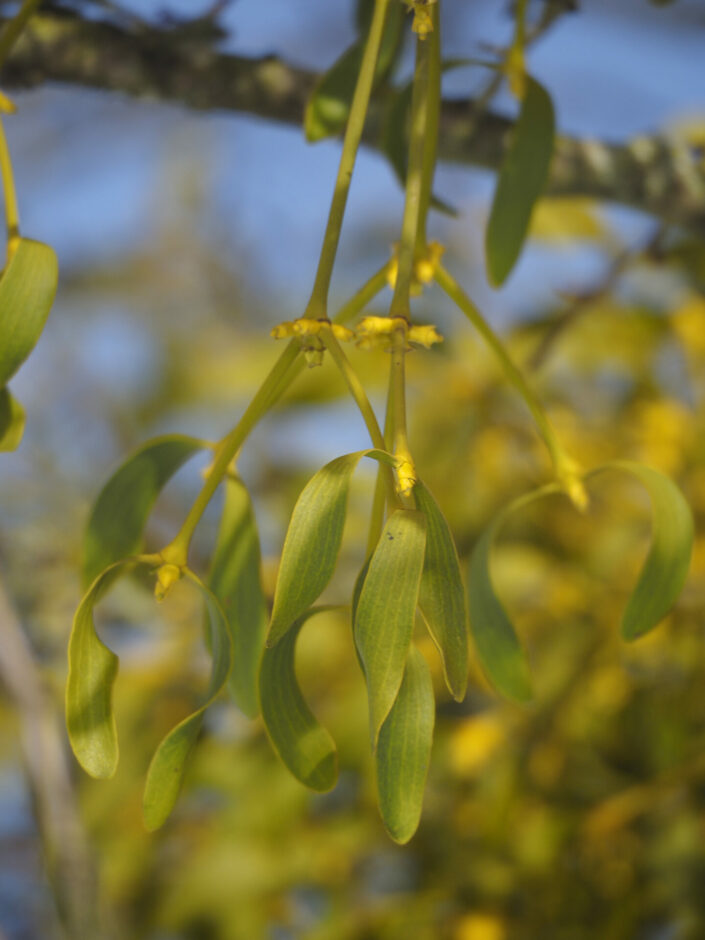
[404,750]
[303,745]
[666,567]
[27,290]
[496,642]
[120,512]
[166,769]
[12,421]
[235,581]
[384,619]
[522,178]
[92,671]
[442,594]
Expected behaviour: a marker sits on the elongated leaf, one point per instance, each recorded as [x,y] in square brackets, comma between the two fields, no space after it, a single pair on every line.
[235,581]
[27,290]
[303,745]
[313,540]
[120,512]
[328,107]
[384,619]
[12,421]
[442,595]
[496,642]
[666,567]
[89,687]
[404,750]
[522,178]
[166,769]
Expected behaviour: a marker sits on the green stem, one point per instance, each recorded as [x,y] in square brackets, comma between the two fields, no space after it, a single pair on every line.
[451,287]
[433,117]
[12,217]
[12,30]
[318,302]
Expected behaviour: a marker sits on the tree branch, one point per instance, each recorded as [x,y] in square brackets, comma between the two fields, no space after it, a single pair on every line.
[656,174]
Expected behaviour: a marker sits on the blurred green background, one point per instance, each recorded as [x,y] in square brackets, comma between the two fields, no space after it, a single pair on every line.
[182,240]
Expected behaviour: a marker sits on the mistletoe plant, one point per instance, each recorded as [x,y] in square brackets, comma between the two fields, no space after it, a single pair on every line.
[412,564]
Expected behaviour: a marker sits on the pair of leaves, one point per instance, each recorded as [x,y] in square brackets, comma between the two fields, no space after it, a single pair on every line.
[522,178]
[660,582]
[27,290]
[89,713]
[328,108]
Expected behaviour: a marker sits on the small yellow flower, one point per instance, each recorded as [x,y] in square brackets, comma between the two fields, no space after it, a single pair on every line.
[425,335]
[426,265]
[282,330]
[167,575]
[305,326]
[422,24]
[342,333]
[377,331]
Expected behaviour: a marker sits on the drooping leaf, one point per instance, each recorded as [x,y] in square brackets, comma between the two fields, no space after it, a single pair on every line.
[313,541]
[166,769]
[328,107]
[12,421]
[384,619]
[666,567]
[404,750]
[498,648]
[303,745]
[89,686]
[235,581]
[442,594]
[27,290]
[522,178]
[120,512]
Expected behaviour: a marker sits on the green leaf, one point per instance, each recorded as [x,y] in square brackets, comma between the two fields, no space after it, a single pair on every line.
[303,745]
[522,178]
[328,107]
[404,750]
[496,642]
[666,567]
[12,421]
[385,613]
[120,512]
[92,671]
[442,594]
[235,581]
[313,540]
[27,290]
[166,769]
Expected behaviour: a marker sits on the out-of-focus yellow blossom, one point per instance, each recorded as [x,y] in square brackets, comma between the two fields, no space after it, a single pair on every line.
[474,742]
[480,927]
[423,23]
[380,331]
[425,335]
[424,267]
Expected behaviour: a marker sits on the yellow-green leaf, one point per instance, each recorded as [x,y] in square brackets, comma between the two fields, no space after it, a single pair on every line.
[522,178]
[442,594]
[166,769]
[12,420]
[384,619]
[404,750]
[498,648]
[666,567]
[120,512]
[27,290]
[89,687]
[303,745]
[235,581]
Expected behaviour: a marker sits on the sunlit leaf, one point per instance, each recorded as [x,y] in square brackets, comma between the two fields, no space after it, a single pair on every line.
[27,290]
[89,687]
[522,177]
[666,567]
[313,540]
[235,581]
[404,750]
[120,512]
[303,745]
[328,107]
[12,421]
[385,613]
[166,769]
[495,639]
[442,594]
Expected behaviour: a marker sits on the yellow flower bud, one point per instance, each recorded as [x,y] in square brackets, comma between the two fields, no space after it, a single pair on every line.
[167,575]
[282,330]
